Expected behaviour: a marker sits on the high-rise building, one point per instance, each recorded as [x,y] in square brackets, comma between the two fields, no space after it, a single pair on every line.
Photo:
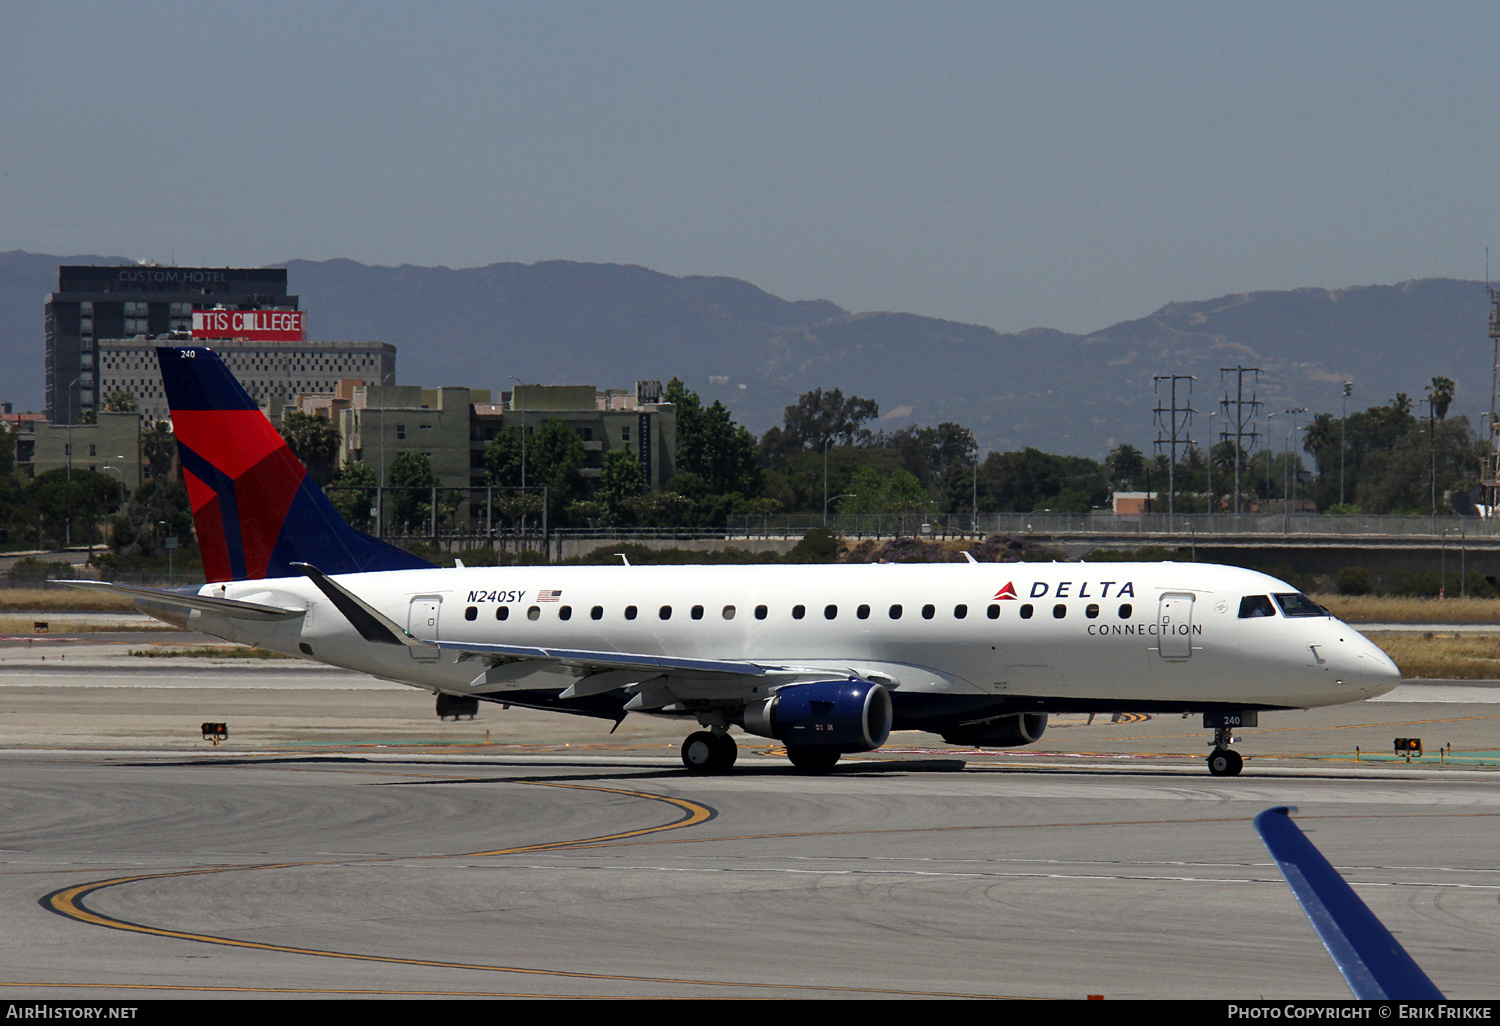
[134,301]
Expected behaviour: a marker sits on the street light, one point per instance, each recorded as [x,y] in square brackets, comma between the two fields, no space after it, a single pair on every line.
[826,443]
[1270,441]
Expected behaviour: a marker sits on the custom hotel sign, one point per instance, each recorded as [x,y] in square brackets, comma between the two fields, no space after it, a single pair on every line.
[254,325]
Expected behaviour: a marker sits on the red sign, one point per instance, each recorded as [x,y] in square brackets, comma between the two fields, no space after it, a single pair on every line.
[255,325]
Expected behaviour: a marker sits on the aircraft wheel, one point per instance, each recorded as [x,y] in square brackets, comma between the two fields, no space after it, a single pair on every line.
[812,760]
[727,752]
[1225,762]
[700,752]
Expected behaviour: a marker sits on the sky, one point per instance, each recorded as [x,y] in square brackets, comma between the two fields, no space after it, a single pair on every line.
[1067,165]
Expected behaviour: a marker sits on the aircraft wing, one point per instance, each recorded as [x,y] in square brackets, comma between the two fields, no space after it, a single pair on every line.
[1373,963]
[589,659]
[187,602]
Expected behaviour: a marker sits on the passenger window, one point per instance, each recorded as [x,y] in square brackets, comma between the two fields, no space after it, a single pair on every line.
[565,612]
[472,613]
[863,612]
[830,612]
[959,612]
[929,611]
[760,612]
[502,612]
[597,613]
[729,612]
[1252,606]
[1026,611]
[994,611]
[1125,611]
[1091,610]
[798,612]
[697,612]
[895,612]
[1059,611]
[666,612]
[630,612]
[533,613]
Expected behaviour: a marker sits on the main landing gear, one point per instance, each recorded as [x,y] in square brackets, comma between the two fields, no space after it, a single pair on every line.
[707,751]
[1224,761]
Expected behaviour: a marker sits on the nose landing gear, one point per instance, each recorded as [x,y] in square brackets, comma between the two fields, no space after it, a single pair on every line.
[1224,761]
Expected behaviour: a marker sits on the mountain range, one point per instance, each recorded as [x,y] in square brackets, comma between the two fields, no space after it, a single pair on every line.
[563,322]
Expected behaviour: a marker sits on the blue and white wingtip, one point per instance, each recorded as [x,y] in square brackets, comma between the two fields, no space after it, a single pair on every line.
[1373,963]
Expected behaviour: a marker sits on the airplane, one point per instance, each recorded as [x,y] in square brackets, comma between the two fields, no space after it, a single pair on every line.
[827,659]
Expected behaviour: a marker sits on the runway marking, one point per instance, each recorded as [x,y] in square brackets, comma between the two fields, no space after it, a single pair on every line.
[209,989]
[69,902]
[1344,726]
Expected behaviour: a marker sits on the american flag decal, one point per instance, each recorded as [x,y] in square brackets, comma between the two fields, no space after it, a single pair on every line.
[548,596]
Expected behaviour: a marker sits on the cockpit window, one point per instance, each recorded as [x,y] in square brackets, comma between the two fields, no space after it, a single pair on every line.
[1296,604]
[1256,605]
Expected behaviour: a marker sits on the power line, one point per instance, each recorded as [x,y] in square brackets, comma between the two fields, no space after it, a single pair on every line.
[1177,421]
[1239,403]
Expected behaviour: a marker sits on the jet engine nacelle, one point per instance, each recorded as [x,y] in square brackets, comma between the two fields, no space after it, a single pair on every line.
[852,715]
[1005,732]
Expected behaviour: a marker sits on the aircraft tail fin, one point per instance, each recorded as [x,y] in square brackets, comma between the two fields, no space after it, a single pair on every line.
[256,509]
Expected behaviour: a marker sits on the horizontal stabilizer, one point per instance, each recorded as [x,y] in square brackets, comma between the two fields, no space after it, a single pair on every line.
[1374,964]
[232,608]
[372,624]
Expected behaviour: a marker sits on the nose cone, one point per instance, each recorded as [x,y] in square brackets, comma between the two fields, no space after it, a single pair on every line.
[1377,674]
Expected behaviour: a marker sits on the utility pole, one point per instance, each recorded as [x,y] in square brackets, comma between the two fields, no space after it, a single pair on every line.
[1343,434]
[1240,417]
[1491,474]
[1173,421]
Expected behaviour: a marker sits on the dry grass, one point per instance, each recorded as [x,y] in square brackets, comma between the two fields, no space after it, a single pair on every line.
[1392,609]
[60,598]
[26,625]
[209,652]
[1442,655]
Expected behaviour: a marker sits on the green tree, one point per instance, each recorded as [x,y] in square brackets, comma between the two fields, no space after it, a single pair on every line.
[619,481]
[870,491]
[158,510]
[817,420]
[555,458]
[410,475]
[1035,480]
[1440,392]
[159,449]
[1126,467]
[82,497]
[313,440]
[711,445]
[120,401]
[352,492]
[502,459]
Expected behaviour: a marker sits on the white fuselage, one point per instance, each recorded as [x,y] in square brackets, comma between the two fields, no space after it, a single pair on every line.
[1098,633]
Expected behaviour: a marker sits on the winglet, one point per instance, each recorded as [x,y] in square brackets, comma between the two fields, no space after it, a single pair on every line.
[1373,963]
[372,624]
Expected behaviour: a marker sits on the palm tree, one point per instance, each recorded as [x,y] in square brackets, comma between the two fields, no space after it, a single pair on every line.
[1440,393]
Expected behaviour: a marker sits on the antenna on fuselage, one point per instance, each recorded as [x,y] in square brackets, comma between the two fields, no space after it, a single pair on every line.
[969,556]
[623,558]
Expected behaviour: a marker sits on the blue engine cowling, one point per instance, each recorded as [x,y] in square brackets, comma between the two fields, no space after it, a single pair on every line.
[851,715]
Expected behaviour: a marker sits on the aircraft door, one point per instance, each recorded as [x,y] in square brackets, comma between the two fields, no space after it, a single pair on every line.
[422,621]
[1174,622]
